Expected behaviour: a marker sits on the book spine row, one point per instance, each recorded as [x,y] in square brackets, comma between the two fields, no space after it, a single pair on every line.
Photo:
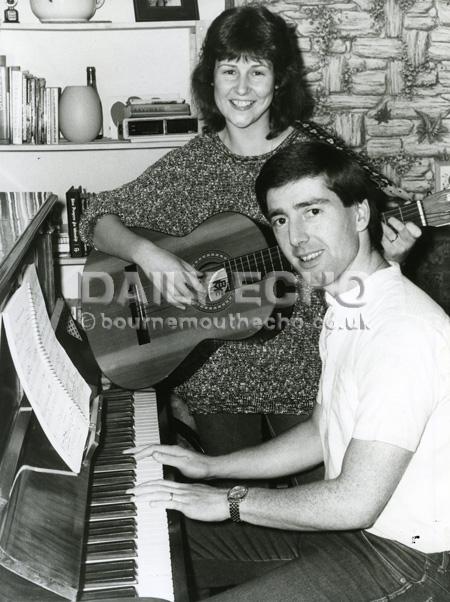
[28,107]
[76,202]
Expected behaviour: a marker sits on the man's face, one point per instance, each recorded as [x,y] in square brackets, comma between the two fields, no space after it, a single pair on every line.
[317,234]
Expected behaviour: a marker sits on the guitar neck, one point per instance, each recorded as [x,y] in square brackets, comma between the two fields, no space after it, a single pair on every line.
[260,263]
[408,213]
[250,268]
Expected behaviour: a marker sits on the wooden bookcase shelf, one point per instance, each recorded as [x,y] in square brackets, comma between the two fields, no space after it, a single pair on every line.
[167,141]
[98,26]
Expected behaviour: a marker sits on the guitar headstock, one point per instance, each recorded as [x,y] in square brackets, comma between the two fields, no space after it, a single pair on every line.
[436,208]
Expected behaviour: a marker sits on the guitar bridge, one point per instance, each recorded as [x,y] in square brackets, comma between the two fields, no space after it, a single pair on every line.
[137,307]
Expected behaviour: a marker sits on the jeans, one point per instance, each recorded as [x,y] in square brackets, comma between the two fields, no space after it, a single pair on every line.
[285,566]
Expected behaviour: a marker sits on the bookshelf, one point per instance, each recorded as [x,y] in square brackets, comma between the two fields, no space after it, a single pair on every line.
[131,59]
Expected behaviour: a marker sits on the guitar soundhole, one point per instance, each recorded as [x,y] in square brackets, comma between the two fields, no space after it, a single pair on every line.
[216,281]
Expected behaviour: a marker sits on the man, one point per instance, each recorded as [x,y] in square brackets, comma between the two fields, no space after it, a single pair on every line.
[378,525]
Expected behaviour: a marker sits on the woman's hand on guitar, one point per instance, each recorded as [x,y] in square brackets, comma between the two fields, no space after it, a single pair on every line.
[192,464]
[177,281]
[398,239]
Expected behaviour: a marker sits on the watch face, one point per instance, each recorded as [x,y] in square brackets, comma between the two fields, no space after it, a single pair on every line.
[238,492]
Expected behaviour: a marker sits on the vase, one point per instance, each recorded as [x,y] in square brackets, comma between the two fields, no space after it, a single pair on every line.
[57,11]
[80,114]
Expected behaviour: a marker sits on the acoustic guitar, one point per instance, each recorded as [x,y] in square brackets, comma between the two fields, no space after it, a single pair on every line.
[139,339]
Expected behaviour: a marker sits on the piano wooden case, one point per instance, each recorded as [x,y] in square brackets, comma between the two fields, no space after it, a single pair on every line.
[43,506]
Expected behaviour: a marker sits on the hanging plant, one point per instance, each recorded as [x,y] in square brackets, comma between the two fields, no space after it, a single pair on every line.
[325,30]
[377,13]
[429,128]
[383,114]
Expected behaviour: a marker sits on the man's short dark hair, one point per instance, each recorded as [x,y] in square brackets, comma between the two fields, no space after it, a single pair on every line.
[254,32]
[344,176]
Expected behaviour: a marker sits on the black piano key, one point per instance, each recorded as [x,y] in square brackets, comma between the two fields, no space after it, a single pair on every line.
[111,546]
[117,443]
[125,535]
[112,500]
[122,592]
[102,490]
[103,527]
[101,493]
[113,459]
[105,567]
[111,555]
[112,515]
[111,468]
[103,581]
[104,480]
[111,508]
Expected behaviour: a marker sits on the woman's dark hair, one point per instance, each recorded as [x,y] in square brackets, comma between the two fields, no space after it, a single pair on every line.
[257,33]
[348,180]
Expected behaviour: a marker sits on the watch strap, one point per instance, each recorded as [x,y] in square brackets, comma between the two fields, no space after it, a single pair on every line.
[235,514]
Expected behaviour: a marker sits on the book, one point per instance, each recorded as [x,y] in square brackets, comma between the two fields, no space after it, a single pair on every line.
[4,108]
[55,389]
[15,104]
[73,203]
[156,109]
[52,95]
[40,111]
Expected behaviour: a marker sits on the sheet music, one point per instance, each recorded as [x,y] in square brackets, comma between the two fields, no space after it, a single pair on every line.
[56,391]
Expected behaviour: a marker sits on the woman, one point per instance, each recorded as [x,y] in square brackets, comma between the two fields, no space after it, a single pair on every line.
[250,91]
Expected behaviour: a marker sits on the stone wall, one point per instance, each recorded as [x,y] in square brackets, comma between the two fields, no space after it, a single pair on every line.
[380,75]
[379,71]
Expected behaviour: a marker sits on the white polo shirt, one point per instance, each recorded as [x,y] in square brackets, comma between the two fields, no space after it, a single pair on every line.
[386,377]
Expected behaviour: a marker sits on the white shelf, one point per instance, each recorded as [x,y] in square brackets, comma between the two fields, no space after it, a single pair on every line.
[98,26]
[167,141]
[66,260]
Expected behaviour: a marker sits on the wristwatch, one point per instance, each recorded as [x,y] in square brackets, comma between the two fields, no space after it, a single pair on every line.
[235,496]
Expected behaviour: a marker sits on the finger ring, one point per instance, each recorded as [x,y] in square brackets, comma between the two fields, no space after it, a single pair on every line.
[171,496]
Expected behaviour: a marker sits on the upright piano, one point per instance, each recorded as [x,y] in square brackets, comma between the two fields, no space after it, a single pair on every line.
[66,536]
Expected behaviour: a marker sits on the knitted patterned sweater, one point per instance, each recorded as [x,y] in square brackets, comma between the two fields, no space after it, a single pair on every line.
[174,195]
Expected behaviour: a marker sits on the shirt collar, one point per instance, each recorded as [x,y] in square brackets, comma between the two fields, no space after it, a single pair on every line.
[366,288]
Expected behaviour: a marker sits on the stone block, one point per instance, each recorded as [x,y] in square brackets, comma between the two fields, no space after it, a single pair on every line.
[349,102]
[393,18]
[369,82]
[424,22]
[425,149]
[439,51]
[422,7]
[355,23]
[375,64]
[349,126]
[443,11]
[333,74]
[427,78]
[378,48]
[383,147]
[416,44]
[393,128]
[394,77]
[440,34]
[304,44]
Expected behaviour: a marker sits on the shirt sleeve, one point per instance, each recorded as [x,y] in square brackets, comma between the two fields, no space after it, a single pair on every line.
[398,383]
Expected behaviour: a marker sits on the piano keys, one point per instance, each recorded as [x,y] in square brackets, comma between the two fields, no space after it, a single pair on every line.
[128,549]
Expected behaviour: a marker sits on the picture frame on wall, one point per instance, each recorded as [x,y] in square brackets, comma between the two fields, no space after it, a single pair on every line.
[165,10]
[442,178]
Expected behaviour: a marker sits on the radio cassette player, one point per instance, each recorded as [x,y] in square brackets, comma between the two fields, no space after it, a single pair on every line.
[135,128]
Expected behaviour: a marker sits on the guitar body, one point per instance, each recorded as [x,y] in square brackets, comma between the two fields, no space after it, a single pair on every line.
[138,339]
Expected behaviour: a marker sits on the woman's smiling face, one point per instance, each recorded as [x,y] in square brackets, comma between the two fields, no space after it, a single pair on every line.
[243,91]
